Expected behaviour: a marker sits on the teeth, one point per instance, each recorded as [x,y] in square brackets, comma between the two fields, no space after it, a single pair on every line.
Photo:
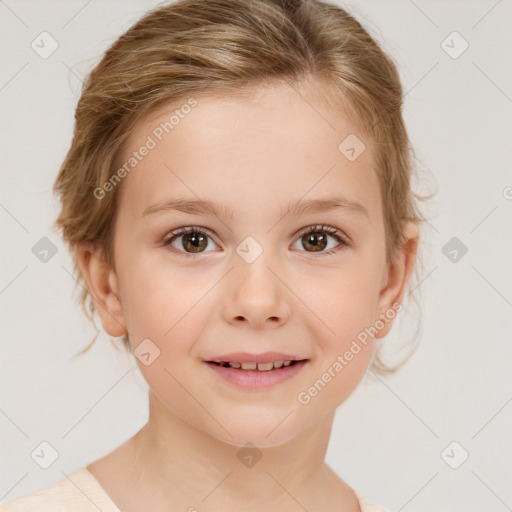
[262,367]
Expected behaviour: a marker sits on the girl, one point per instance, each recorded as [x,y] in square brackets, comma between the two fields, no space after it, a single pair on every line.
[237,200]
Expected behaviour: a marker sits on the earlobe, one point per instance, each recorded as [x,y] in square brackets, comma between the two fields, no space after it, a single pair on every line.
[102,283]
[398,276]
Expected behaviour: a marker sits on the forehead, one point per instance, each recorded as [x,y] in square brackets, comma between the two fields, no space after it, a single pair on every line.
[272,146]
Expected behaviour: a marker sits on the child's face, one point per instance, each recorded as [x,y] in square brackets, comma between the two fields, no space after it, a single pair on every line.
[254,158]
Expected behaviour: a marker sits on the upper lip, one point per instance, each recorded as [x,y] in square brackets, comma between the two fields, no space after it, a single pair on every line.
[264,357]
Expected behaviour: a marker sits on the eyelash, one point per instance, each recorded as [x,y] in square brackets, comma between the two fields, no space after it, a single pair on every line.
[335,233]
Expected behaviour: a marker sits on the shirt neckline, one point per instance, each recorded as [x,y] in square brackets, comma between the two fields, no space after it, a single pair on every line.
[96,489]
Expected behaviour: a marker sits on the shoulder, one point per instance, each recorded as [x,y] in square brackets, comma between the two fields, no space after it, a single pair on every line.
[73,493]
[365,505]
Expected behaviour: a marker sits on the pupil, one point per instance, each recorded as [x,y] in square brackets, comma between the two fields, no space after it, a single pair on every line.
[313,239]
[195,240]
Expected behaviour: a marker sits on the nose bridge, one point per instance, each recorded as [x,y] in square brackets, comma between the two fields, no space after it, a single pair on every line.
[252,267]
[256,293]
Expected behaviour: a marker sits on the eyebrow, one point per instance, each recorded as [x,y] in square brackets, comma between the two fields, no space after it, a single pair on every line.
[191,206]
[296,207]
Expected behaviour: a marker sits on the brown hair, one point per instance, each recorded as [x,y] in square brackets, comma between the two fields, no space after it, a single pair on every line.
[193,47]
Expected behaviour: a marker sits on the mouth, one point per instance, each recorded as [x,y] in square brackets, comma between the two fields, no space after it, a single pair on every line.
[259,367]
[270,369]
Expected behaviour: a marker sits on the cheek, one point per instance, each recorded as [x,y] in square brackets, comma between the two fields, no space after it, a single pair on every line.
[345,348]
[155,292]
[347,302]
[347,305]
[166,304]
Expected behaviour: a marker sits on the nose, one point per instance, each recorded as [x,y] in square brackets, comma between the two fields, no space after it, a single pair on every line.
[256,294]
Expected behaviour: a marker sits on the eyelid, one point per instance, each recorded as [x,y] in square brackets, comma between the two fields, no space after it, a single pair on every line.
[175,233]
[187,229]
[331,230]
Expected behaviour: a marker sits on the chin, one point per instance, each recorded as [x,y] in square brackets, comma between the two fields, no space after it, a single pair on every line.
[262,434]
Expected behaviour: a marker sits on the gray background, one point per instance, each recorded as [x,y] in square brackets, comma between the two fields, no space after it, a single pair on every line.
[389,436]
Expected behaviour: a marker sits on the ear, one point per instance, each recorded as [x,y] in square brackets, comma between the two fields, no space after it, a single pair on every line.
[102,284]
[397,276]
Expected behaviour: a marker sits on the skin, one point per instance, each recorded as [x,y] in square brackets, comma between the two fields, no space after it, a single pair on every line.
[255,155]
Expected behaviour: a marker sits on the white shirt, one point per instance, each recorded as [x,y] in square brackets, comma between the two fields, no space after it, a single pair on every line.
[81,492]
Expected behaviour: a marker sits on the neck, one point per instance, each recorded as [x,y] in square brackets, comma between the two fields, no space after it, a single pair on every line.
[182,467]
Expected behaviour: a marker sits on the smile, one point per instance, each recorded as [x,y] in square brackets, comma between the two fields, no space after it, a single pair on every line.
[256,376]
[261,367]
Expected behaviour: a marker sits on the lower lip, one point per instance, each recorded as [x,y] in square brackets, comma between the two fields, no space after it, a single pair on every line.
[254,379]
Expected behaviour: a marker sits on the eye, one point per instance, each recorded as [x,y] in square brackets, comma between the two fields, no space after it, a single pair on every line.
[194,239]
[316,238]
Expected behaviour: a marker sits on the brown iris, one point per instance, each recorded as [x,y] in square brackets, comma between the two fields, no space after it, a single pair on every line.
[194,242]
[317,241]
